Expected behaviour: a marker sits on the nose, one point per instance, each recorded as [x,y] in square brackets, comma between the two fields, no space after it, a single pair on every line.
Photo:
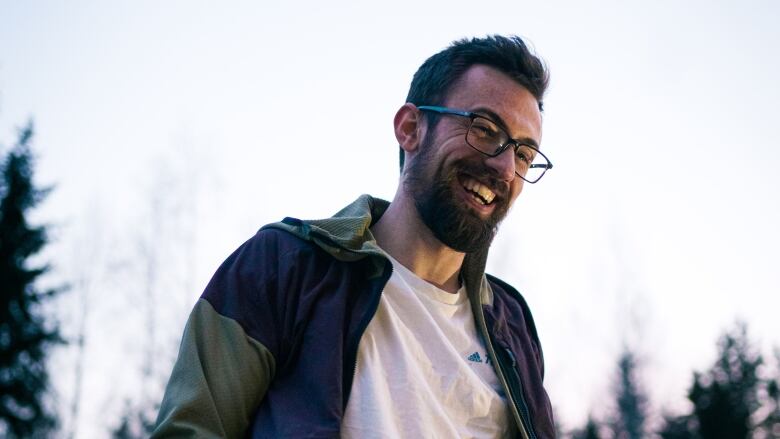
[503,165]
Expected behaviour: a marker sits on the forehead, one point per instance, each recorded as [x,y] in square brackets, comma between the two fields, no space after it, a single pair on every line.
[488,88]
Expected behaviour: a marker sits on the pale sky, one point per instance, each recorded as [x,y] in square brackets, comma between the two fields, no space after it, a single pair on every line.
[657,226]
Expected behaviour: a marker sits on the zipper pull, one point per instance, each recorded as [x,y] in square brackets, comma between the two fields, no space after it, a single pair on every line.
[511,356]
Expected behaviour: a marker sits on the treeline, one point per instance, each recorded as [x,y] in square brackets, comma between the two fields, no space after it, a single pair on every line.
[738,397]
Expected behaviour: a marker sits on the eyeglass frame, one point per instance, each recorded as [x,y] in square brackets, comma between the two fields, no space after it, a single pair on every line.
[515,143]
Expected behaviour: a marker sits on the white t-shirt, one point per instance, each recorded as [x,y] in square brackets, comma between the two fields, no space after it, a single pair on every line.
[422,371]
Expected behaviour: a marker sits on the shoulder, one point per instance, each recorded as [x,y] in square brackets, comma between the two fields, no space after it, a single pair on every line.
[266,252]
[258,269]
[276,242]
[259,284]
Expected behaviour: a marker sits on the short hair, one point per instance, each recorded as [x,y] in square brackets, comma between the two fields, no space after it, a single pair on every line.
[510,55]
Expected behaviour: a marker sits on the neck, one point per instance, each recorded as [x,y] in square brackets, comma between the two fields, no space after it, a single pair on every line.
[401,233]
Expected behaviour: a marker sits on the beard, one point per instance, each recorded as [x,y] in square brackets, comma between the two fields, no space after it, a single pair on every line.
[453,223]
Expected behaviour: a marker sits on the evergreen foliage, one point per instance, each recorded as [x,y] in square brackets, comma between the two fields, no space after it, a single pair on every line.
[590,431]
[137,422]
[738,397]
[679,427]
[631,402]
[726,396]
[732,399]
[24,335]
[770,425]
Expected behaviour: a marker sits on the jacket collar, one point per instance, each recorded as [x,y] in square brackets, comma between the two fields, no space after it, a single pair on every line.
[347,236]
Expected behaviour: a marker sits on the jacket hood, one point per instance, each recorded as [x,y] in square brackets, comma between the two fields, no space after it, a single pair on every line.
[347,237]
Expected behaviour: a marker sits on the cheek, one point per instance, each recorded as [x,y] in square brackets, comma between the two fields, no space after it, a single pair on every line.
[517,187]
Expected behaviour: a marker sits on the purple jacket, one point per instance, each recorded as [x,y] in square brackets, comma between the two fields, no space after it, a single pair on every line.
[270,348]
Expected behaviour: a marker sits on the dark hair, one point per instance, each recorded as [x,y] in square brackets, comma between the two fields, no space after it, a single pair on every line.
[510,55]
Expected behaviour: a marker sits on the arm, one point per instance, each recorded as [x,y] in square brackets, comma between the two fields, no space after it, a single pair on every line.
[229,351]
[219,378]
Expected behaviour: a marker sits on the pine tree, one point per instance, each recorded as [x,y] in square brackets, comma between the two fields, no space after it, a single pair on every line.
[631,402]
[25,336]
[770,424]
[590,431]
[726,396]
[679,427]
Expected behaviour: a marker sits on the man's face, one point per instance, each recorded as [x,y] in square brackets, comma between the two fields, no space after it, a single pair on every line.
[461,194]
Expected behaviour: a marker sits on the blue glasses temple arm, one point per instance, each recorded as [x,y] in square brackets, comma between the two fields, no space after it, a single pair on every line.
[444,110]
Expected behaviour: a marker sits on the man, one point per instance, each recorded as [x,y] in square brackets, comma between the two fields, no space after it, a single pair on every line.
[380,321]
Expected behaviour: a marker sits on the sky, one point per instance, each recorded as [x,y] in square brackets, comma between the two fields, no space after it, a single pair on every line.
[171,131]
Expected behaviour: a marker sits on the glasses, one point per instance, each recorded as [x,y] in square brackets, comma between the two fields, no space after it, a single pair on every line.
[489,138]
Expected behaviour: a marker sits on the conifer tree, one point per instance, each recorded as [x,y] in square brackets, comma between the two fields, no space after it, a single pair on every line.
[25,336]
[726,396]
[628,422]
[589,431]
[678,427]
[770,424]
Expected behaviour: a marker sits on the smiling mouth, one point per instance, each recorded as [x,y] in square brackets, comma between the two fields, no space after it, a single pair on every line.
[479,192]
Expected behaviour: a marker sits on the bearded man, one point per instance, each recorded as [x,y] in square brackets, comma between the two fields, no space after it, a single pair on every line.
[380,321]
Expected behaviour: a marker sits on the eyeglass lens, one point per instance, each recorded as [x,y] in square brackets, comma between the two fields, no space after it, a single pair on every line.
[488,138]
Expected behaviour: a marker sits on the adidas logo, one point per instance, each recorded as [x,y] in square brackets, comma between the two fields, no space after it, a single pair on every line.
[475,357]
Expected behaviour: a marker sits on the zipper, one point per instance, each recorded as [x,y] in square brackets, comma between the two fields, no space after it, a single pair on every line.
[499,368]
[518,390]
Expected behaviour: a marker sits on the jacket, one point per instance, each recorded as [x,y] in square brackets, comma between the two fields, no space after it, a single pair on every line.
[270,348]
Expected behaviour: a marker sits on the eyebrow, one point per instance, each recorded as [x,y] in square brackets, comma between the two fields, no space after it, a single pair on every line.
[496,118]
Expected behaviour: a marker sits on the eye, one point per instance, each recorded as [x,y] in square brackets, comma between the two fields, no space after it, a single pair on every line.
[484,129]
[525,154]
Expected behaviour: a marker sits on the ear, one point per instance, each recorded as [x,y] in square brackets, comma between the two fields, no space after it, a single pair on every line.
[408,127]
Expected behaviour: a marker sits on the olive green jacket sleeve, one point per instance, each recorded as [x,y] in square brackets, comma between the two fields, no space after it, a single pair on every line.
[218,381]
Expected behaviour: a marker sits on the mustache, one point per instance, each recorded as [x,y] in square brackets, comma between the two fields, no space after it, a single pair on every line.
[482,174]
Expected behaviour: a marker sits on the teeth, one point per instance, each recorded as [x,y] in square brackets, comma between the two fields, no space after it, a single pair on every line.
[478,188]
